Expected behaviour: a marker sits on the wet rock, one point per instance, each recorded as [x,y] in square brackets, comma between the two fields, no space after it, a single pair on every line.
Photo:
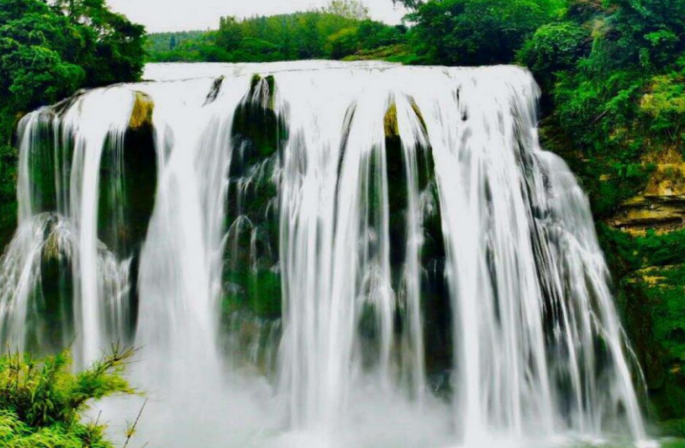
[653,305]
[142,111]
[661,206]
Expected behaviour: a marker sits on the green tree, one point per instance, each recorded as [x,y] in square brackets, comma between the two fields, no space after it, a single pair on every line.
[350,9]
[478,32]
[648,33]
[343,43]
[230,33]
[554,48]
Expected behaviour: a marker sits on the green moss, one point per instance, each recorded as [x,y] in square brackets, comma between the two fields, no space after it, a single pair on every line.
[652,301]
[627,253]
[258,292]
[258,133]
[434,296]
[50,326]
[142,111]
[254,82]
[675,428]
[256,126]
[128,183]
[8,222]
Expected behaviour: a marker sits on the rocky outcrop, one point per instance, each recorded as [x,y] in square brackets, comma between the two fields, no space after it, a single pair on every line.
[661,205]
[252,279]
[141,115]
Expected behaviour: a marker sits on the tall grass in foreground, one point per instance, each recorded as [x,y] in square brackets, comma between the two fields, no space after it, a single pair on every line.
[42,402]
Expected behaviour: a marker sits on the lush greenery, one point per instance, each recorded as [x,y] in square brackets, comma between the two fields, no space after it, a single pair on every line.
[49,51]
[339,31]
[478,32]
[42,402]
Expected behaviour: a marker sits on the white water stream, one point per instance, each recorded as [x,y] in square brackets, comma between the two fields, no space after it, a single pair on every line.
[367,155]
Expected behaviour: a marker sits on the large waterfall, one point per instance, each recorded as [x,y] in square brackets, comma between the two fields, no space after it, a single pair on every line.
[324,254]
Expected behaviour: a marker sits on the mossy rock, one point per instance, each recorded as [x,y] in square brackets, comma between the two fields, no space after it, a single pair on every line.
[8,223]
[258,133]
[256,291]
[653,304]
[128,183]
[257,129]
[434,296]
[674,428]
[143,108]
[660,206]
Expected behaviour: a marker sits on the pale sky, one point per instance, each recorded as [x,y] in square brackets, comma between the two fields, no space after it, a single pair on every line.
[181,15]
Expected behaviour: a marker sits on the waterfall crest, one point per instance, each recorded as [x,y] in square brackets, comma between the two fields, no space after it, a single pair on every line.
[321,243]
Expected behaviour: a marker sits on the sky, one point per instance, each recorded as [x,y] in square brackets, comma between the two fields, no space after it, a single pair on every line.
[182,15]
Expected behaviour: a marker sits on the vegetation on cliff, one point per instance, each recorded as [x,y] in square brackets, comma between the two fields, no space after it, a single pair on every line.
[42,403]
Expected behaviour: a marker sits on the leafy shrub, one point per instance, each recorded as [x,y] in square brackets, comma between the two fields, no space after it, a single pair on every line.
[478,32]
[664,105]
[42,403]
[553,48]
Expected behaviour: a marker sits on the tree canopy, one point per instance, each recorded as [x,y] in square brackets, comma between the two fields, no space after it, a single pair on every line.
[49,51]
[338,31]
[478,32]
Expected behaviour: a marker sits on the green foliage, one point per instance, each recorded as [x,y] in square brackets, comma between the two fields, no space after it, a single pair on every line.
[478,32]
[554,47]
[336,32]
[343,43]
[350,9]
[47,52]
[163,43]
[646,33]
[42,403]
[664,105]
[627,253]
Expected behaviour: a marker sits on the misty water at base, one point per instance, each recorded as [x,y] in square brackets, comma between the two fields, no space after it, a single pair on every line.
[321,254]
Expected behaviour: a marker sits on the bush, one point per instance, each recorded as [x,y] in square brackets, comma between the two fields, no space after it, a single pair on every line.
[553,48]
[42,403]
[478,32]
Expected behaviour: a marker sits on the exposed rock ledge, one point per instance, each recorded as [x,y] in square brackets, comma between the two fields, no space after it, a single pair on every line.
[661,206]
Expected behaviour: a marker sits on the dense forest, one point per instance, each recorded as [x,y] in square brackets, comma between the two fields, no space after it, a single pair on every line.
[343,30]
[612,73]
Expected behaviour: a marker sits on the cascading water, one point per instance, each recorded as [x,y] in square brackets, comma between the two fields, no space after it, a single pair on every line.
[362,254]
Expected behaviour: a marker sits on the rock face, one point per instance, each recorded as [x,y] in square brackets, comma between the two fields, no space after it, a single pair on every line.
[652,293]
[661,206]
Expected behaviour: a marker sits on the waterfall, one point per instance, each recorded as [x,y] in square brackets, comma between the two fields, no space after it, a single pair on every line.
[363,253]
